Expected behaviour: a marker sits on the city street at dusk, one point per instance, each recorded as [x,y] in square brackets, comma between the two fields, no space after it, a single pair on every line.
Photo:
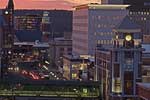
[74,49]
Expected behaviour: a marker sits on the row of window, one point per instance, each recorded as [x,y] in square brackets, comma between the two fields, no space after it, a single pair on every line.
[68,49]
[80,17]
[80,40]
[104,33]
[141,18]
[78,47]
[139,12]
[106,25]
[107,17]
[106,42]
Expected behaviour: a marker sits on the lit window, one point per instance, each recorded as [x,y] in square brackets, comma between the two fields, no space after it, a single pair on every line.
[74,66]
[104,42]
[85,91]
[98,42]
[142,18]
[145,13]
[99,17]
[131,13]
[139,12]
[74,75]
[142,13]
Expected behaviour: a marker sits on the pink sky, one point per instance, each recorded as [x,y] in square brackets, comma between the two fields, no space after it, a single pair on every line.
[45,4]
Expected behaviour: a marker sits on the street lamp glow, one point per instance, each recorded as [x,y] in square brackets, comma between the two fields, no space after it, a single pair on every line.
[6,12]
[46,62]
[9,52]
[45,67]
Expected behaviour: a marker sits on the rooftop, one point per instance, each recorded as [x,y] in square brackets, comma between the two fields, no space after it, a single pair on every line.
[146,47]
[34,44]
[144,85]
[100,6]
[127,25]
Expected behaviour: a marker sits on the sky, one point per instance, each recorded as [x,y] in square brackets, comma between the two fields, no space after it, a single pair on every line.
[46,4]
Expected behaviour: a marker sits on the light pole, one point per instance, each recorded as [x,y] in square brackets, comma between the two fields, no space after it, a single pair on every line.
[96,67]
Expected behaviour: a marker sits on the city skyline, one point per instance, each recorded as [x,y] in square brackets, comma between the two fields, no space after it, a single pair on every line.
[74,50]
[46,4]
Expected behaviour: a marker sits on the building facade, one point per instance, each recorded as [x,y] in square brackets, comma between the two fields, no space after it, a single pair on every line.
[78,68]
[130,2]
[141,15]
[143,90]
[93,24]
[41,25]
[120,66]
[146,63]
[7,37]
[58,48]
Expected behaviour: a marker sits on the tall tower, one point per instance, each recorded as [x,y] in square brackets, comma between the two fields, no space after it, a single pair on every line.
[7,37]
[126,61]
[46,25]
[10,5]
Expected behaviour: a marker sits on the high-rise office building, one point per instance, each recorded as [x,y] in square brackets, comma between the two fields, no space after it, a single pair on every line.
[46,26]
[120,66]
[1,38]
[112,1]
[7,36]
[93,25]
[130,2]
[8,30]
[139,12]
[141,15]
[1,30]
[42,25]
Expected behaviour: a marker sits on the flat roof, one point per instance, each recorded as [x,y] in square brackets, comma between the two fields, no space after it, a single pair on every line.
[146,47]
[32,44]
[24,43]
[100,6]
[144,85]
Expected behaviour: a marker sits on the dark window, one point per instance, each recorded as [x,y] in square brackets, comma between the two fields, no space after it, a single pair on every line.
[116,70]
[116,56]
[128,82]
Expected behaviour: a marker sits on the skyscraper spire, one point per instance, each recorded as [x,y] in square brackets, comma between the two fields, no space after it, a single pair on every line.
[10,5]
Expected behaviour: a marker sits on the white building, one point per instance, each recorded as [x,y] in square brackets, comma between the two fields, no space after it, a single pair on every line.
[93,25]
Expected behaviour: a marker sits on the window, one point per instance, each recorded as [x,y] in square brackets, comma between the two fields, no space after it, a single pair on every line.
[128,82]
[99,42]
[144,18]
[74,75]
[131,13]
[116,70]
[69,49]
[99,25]
[61,49]
[99,17]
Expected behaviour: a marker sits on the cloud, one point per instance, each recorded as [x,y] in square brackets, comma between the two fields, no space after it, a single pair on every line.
[45,4]
[73,1]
